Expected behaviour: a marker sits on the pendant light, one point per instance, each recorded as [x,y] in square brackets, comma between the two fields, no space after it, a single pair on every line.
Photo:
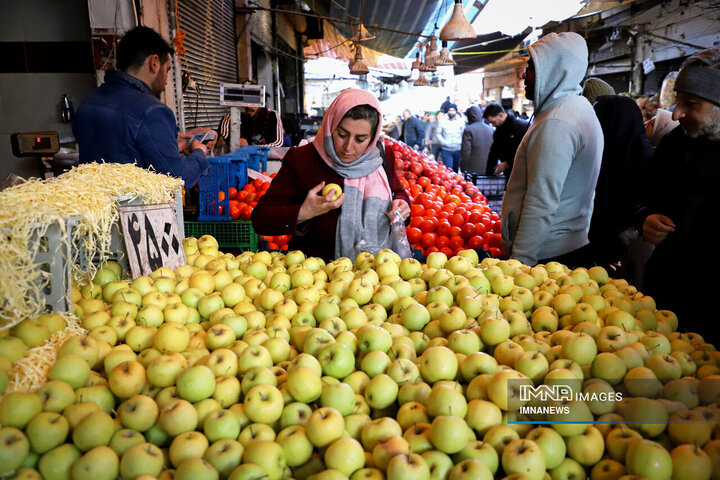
[431,52]
[362,34]
[421,81]
[445,58]
[358,67]
[458,27]
[416,64]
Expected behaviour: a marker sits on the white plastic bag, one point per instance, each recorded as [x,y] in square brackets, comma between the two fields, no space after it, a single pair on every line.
[398,236]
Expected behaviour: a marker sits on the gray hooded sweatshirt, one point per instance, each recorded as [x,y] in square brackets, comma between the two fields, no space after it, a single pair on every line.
[549,198]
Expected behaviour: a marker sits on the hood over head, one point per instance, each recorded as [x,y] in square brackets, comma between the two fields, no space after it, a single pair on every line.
[473,114]
[561,61]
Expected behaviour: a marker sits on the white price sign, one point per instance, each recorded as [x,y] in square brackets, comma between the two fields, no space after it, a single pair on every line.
[152,238]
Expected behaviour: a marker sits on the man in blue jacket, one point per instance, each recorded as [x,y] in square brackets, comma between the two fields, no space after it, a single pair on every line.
[123,120]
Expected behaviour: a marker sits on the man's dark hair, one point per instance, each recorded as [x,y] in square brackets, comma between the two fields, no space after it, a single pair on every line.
[365,112]
[492,110]
[137,45]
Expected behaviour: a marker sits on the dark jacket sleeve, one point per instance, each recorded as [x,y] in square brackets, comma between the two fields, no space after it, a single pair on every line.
[157,143]
[494,155]
[466,148]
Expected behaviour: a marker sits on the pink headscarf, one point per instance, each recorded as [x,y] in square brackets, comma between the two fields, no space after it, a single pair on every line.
[338,108]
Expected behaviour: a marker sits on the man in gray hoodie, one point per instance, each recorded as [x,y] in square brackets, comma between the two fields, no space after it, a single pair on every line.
[549,198]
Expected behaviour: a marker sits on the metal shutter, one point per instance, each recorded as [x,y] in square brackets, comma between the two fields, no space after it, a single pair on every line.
[211,58]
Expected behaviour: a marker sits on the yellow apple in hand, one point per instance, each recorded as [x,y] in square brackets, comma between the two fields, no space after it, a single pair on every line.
[332,187]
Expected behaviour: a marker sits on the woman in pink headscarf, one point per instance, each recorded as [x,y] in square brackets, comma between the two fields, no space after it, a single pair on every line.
[346,152]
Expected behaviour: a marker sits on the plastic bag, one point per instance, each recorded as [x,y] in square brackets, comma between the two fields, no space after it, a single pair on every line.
[667,91]
[398,237]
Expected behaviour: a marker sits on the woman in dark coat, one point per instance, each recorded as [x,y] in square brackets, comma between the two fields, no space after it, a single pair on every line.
[346,152]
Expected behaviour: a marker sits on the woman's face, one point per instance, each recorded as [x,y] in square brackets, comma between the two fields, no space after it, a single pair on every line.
[351,138]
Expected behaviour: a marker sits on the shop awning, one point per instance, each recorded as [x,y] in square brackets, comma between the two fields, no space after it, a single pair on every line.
[486,49]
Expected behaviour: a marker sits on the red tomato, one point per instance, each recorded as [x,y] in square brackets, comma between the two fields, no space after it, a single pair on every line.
[495,240]
[273,246]
[245,212]
[456,220]
[428,240]
[417,210]
[257,183]
[427,225]
[454,231]
[467,230]
[443,227]
[475,242]
[414,234]
[430,212]
[496,252]
[475,216]
[242,195]
[416,221]
[457,242]
[480,229]
[221,196]
[448,252]
[234,212]
[251,197]
[232,193]
[442,241]
[249,188]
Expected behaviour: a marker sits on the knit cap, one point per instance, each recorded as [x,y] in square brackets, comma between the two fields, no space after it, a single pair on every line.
[595,87]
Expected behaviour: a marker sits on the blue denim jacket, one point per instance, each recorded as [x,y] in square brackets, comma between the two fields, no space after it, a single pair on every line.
[123,122]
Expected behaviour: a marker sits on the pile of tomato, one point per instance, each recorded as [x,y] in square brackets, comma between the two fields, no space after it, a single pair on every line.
[447,213]
[242,202]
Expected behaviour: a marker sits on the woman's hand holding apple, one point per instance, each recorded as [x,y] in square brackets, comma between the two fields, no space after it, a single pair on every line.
[315,205]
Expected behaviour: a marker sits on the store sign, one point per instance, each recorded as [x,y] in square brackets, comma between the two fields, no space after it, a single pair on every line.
[648,65]
[152,238]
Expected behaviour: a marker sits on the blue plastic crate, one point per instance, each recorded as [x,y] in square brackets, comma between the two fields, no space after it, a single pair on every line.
[257,156]
[215,180]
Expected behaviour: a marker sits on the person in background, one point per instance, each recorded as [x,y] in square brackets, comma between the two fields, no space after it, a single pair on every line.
[446,105]
[596,87]
[413,130]
[509,132]
[449,135]
[124,121]
[681,204]
[392,130]
[346,152]
[477,139]
[548,202]
[258,126]
[625,159]
[524,116]
[658,126]
[431,136]
[426,124]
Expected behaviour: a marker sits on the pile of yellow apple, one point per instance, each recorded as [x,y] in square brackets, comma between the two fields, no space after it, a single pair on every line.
[277,366]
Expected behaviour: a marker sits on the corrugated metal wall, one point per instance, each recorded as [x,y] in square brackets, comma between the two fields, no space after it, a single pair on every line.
[211,58]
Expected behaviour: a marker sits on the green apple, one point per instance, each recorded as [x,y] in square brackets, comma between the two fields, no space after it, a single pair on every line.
[221,424]
[17,409]
[96,429]
[449,434]
[56,463]
[14,447]
[196,383]
[100,463]
[551,444]
[139,413]
[264,404]
[270,456]
[178,416]
[127,379]
[141,459]
[345,455]
[649,459]
[438,363]
[586,448]
[525,457]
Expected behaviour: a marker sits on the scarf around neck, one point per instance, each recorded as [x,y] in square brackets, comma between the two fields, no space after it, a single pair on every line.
[362,224]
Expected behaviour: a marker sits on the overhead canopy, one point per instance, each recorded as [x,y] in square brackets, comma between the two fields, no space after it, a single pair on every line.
[408,16]
[473,54]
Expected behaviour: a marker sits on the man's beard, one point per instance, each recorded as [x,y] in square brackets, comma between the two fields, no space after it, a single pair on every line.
[158,86]
[711,130]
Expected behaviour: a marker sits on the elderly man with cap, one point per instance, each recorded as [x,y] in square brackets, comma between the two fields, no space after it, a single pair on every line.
[682,203]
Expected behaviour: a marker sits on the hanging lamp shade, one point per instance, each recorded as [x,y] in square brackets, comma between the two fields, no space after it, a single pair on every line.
[431,54]
[416,64]
[445,58]
[358,67]
[362,34]
[458,27]
[421,81]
